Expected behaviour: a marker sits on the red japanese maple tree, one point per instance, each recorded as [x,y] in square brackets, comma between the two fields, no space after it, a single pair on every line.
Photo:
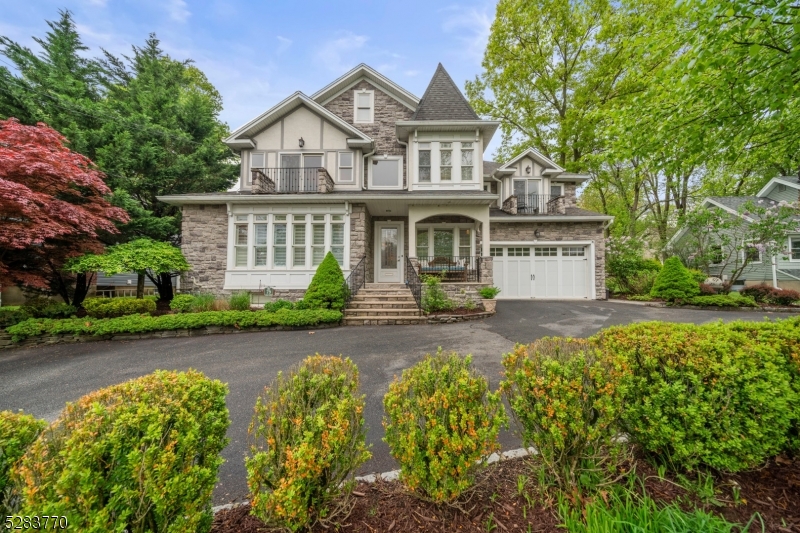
[53,206]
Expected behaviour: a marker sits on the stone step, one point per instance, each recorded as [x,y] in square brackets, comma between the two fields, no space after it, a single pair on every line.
[353,313]
[383,298]
[384,320]
[387,292]
[383,305]
[385,286]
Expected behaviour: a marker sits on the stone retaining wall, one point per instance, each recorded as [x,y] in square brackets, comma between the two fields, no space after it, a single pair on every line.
[451,319]
[42,340]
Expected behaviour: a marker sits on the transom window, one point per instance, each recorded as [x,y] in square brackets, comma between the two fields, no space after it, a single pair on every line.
[446,161]
[545,252]
[297,241]
[519,252]
[363,106]
[496,252]
[573,251]
[466,161]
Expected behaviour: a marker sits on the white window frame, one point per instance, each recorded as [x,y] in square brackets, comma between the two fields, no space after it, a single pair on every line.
[249,177]
[791,238]
[451,166]
[461,166]
[371,106]
[248,223]
[425,147]
[560,186]
[527,183]
[744,254]
[339,167]
[456,237]
[399,160]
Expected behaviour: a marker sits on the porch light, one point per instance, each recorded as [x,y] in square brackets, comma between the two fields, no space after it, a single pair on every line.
[537,233]
[302,142]
[527,169]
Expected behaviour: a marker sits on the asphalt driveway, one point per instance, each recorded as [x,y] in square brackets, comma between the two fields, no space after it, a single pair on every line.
[40,380]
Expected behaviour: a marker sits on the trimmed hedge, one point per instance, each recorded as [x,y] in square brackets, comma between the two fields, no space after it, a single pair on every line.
[733,299]
[139,456]
[308,438]
[704,395]
[117,307]
[17,433]
[441,419]
[146,323]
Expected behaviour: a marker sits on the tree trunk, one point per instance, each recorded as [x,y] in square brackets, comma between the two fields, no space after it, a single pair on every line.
[140,285]
[164,284]
[82,284]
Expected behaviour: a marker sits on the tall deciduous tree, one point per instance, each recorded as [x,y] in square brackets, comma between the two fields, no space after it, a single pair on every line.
[52,207]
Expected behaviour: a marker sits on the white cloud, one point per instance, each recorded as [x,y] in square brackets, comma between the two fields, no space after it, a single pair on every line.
[473,26]
[178,10]
[284,44]
[97,3]
[340,54]
[411,73]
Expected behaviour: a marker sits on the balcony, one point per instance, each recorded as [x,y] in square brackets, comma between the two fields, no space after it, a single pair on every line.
[535,204]
[291,180]
[449,268]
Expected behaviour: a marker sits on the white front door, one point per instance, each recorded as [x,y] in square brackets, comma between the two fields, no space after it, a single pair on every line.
[389,252]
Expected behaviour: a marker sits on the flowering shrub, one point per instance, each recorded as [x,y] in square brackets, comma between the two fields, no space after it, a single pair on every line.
[567,398]
[17,432]
[308,438]
[440,420]
[138,456]
[116,307]
[703,395]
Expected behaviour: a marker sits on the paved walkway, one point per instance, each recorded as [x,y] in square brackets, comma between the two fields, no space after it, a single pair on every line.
[41,380]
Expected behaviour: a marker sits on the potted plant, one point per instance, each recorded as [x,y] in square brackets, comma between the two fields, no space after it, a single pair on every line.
[488,294]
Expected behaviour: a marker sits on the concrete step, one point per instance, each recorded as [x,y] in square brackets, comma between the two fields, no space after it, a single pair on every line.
[384,320]
[352,313]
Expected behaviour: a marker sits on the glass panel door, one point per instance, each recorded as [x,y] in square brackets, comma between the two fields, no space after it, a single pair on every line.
[289,175]
[310,165]
[388,247]
[389,243]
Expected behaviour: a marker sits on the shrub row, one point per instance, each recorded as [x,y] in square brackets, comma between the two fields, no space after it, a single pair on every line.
[146,323]
[39,307]
[117,307]
[733,299]
[138,456]
[767,294]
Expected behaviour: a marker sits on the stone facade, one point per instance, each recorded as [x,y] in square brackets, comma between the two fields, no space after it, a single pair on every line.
[559,231]
[361,239]
[205,246]
[387,111]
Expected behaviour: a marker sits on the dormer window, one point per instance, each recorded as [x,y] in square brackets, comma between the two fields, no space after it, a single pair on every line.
[364,107]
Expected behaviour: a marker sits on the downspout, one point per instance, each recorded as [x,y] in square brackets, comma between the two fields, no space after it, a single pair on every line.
[499,191]
[408,164]
[366,173]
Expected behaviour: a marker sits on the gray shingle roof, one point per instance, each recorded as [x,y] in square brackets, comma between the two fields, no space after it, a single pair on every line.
[443,100]
[489,167]
[736,202]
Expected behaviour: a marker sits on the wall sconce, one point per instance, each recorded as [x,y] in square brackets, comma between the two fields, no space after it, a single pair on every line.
[302,142]
[528,169]
[537,233]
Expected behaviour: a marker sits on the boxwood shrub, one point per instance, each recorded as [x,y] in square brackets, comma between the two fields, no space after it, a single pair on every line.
[704,395]
[138,456]
[440,420]
[145,323]
[17,432]
[116,307]
[567,398]
[308,437]
[326,290]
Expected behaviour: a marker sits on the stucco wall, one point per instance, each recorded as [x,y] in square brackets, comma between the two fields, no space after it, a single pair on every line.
[205,246]
[555,232]
[387,112]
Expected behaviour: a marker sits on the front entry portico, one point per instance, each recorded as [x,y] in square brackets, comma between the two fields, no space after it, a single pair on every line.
[389,259]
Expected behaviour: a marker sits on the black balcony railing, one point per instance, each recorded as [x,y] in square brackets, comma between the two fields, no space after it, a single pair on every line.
[413,282]
[356,280]
[287,180]
[539,204]
[451,268]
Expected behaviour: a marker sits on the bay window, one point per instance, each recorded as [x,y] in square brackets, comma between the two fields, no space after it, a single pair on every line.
[337,238]
[240,247]
[425,162]
[466,161]
[260,241]
[445,161]
[299,241]
[279,236]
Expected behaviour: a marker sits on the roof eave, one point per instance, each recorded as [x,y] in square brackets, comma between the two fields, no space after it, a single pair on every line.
[315,198]
[404,128]
[775,181]
[552,218]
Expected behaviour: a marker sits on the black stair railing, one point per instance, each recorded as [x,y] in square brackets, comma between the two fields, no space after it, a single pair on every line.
[356,280]
[413,282]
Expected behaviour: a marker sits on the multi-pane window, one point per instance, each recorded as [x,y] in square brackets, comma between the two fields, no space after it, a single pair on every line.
[556,190]
[363,106]
[257,160]
[446,161]
[337,238]
[466,161]
[345,166]
[496,252]
[794,244]
[260,240]
[422,242]
[424,162]
[240,246]
[573,251]
[752,253]
[317,240]
[298,240]
[545,252]
[519,252]
[464,242]
[279,241]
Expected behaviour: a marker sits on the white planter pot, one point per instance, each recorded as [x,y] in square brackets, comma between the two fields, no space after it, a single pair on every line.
[489,305]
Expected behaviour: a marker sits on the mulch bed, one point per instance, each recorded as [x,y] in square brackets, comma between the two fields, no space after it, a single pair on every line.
[495,505]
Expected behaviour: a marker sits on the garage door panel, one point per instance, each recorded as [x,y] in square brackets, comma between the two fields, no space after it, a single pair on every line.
[542,272]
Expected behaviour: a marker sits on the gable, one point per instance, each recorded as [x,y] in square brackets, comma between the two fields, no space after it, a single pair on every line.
[316,131]
[534,156]
[360,74]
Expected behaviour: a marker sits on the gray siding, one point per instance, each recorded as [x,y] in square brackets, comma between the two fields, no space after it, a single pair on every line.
[789,194]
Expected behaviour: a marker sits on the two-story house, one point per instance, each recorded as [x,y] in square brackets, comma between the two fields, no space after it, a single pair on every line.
[388,182]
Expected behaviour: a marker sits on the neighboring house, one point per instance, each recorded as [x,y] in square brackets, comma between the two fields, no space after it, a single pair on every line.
[387,182]
[783,270]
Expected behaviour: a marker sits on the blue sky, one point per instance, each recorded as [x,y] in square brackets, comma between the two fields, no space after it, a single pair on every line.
[257,53]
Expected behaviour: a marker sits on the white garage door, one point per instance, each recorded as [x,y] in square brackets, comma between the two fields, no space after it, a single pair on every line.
[542,271]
